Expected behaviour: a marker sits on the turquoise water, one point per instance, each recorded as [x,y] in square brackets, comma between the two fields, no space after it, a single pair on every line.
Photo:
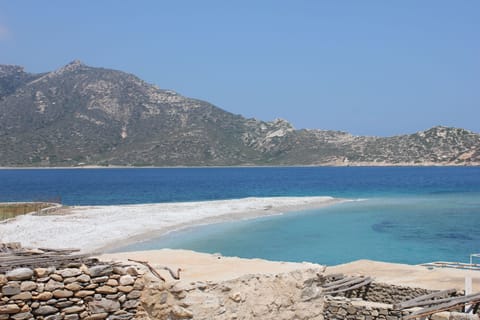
[408,215]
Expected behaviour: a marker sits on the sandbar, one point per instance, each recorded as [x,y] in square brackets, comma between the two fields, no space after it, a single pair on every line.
[101,228]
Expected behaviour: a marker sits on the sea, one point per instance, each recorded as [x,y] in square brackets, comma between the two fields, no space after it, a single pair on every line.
[407,215]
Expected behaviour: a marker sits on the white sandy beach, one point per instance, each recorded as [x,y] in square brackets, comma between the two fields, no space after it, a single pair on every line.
[98,228]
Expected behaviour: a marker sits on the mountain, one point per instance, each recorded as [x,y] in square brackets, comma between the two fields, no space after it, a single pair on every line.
[81,115]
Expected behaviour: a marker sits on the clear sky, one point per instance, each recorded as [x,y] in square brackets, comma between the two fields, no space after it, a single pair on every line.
[366,67]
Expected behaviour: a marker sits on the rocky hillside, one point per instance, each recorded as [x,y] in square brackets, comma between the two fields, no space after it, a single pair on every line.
[81,115]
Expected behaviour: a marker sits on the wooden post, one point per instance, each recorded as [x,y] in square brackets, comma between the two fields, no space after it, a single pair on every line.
[468,290]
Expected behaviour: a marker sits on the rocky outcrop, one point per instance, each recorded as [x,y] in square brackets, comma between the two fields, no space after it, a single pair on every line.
[293,295]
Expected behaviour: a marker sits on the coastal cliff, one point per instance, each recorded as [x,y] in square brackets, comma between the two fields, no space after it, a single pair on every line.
[81,115]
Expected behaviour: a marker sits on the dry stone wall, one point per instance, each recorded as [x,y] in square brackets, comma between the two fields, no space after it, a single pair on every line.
[385,293]
[98,292]
[357,309]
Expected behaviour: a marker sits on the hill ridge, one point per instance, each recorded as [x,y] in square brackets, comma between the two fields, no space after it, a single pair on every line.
[83,115]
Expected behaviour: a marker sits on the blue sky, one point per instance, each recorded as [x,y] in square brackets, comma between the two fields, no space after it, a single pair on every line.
[366,67]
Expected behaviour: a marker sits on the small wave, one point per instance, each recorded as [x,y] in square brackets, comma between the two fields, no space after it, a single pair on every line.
[356,200]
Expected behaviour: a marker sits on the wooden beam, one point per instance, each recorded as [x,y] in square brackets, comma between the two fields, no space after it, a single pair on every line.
[411,303]
[336,282]
[349,282]
[355,286]
[456,303]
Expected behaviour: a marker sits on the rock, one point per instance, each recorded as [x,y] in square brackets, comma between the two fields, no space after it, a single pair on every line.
[98,316]
[69,280]
[56,277]
[71,317]
[139,284]
[28,286]
[22,296]
[132,271]
[236,297]
[84,293]
[74,309]
[100,279]
[112,283]
[125,289]
[126,280]
[135,294]
[119,270]
[11,289]
[53,285]
[42,272]
[44,310]
[69,272]
[9,309]
[91,286]
[3,279]
[181,313]
[62,294]
[73,286]
[22,316]
[100,270]
[84,278]
[44,296]
[64,304]
[20,274]
[130,304]
[103,305]
[106,290]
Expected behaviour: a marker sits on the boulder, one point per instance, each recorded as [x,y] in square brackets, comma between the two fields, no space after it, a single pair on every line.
[20,274]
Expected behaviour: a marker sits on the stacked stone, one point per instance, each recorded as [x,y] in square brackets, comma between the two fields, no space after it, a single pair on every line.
[385,293]
[356,309]
[90,293]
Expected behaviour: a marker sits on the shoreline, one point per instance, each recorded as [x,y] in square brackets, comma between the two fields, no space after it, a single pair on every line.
[104,228]
[324,165]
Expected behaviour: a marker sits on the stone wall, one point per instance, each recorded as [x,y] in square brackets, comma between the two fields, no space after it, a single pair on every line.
[336,308]
[89,293]
[385,293]
[356,309]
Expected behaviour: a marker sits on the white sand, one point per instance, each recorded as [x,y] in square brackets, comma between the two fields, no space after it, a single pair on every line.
[96,228]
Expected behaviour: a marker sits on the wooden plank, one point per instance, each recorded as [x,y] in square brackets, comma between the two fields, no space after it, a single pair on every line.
[350,281]
[456,303]
[356,286]
[411,303]
[334,283]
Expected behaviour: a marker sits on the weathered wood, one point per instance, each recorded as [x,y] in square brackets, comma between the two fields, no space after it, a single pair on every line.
[174,276]
[412,302]
[12,262]
[152,269]
[456,303]
[349,282]
[356,286]
[337,282]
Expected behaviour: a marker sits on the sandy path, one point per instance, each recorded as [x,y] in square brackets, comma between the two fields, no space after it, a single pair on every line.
[97,228]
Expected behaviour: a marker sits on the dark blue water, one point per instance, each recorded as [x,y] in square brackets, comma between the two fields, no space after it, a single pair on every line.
[410,215]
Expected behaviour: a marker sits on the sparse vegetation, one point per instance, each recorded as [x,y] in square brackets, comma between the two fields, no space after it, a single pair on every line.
[11,210]
[80,115]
